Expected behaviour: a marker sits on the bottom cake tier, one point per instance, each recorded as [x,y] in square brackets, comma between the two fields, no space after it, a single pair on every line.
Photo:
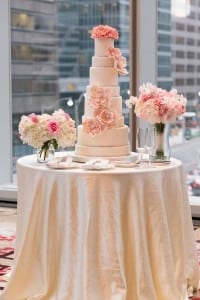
[113,142]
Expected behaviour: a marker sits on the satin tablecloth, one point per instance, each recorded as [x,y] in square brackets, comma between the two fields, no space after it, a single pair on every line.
[121,234]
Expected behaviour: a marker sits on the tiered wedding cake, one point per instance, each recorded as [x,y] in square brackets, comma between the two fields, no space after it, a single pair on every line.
[103,133]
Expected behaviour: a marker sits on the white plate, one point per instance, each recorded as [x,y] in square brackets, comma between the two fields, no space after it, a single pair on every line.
[98,168]
[62,165]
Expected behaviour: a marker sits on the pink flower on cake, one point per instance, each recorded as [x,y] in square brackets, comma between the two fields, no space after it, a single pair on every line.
[119,60]
[92,126]
[120,65]
[114,52]
[104,31]
[106,117]
[157,105]
[99,96]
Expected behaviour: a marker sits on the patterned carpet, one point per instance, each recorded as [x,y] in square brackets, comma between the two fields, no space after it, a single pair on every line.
[7,240]
[6,257]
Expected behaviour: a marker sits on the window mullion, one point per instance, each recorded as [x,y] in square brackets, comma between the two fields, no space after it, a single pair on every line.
[5,96]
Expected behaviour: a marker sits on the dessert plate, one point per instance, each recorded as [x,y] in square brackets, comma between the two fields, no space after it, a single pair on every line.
[64,162]
[98,168]
[98,164]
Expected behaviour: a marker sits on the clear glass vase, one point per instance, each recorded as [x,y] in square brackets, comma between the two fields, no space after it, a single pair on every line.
[44,154]
[161,148]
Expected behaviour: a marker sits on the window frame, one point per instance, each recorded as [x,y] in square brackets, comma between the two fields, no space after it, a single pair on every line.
[5,96]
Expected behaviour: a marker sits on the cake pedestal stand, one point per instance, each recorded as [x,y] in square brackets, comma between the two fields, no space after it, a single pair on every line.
[132,157]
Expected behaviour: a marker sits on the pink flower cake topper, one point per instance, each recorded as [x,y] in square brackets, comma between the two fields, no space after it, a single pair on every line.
[103,32]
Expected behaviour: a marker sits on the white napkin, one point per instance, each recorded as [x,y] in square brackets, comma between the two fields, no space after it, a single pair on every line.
[97,163]
[60,162]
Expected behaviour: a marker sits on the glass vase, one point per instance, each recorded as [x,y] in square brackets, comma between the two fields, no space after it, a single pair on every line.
[45,154]
[160,151]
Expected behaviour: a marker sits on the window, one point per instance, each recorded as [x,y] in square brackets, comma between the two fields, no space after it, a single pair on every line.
[190,68]
[50,58]
[180,54]
[185,78]
[180,40]
[179,68]
[191,28]
[190,81]
[190,54]
[180,26]
[179,81]
[190,41]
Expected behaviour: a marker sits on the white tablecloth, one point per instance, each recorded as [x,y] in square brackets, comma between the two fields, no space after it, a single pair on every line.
[121,234]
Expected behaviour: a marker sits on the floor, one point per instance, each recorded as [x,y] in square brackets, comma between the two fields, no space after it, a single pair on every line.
[7,238]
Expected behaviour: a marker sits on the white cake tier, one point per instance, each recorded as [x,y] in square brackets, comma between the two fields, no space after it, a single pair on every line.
[94,151]
[114,90]
[115,105]
[102,61]
[108,138]
[101,46]
[103,76]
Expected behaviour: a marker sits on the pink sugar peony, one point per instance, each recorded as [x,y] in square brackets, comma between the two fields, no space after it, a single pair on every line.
[34,118]
[106,117]
[120,64]
[114,52]
[104,31]
[119,60]
[99,97]
[92,126]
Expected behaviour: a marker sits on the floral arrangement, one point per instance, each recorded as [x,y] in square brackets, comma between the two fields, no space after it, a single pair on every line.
[104,31]
[157,105]
[42,131]
[104,117]
[119,60]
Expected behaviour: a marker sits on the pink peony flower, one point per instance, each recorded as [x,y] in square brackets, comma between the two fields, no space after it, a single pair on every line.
[92,126]
[53,127]
[120,65]
[104,31]
[114,52]
[99,97]
[34,118]
[119,60]
[106,117]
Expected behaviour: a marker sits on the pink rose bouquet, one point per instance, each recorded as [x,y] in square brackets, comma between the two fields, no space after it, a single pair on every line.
[156,105]
[43,131]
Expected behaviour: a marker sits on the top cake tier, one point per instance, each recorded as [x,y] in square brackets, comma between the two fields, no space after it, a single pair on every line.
[101,46]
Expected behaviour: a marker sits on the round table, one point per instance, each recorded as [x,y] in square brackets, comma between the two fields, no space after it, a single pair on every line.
[119,234]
